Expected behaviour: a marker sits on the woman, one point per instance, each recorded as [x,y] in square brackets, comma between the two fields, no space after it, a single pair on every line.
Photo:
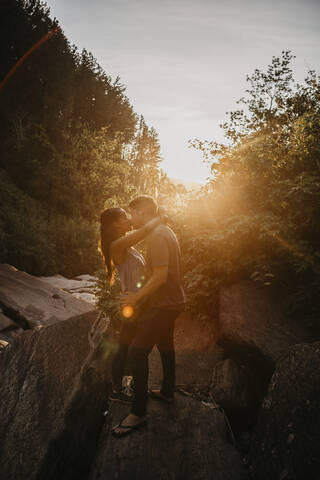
[116,248]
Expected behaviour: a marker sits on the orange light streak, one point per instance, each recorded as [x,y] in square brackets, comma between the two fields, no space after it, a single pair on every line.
[27,54]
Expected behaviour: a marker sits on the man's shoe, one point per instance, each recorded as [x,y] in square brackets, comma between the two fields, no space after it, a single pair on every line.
[159,396]
[120,397]
[127,429]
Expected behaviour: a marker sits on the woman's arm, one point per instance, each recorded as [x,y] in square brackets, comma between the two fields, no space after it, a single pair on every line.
[118,247]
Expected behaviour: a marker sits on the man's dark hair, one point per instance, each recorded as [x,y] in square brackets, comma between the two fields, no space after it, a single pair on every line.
[145,203]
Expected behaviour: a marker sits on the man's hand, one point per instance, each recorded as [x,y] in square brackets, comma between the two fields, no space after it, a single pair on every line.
[131,298]
[159,278]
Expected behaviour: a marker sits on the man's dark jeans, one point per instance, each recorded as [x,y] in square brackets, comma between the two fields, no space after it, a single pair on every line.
[154,327]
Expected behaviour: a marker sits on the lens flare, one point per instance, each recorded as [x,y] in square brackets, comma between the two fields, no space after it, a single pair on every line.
[127,311]
[26,55]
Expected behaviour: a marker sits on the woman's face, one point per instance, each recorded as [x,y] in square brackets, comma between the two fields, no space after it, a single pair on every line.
[123,223]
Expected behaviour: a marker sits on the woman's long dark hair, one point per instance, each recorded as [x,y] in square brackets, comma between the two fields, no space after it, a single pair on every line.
[108,234]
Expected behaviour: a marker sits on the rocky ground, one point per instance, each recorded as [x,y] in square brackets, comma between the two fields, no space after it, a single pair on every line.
[246,401]
[80,287]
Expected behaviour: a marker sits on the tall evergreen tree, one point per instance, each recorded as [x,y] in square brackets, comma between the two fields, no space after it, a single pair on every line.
[65,132]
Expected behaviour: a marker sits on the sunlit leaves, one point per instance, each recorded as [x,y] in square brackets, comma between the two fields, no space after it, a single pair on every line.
[264,194]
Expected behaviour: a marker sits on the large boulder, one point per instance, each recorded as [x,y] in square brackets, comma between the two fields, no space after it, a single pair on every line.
[253,332]
[236,389]
[232,386]
[286,440]
[52,397]
[54,380]
[252,328]
[187,440]
[80,287]
[8,328]
[33,303]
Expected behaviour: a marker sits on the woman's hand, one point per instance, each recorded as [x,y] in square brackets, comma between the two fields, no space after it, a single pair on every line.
[163,215]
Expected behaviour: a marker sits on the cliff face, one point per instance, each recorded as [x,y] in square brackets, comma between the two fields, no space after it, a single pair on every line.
[53,382]
[54,389]
[286,439]
[55,418]
[268,383]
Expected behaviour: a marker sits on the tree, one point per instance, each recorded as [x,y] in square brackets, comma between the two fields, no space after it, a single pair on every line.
[69,146]
[266,183]
[144,158]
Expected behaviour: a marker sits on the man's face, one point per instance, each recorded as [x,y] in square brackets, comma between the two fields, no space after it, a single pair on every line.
[137,218]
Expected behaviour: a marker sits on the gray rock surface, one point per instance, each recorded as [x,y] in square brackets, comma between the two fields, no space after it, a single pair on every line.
[32,303]
[184,441]
[231,386]
[53,392]
[5,322]
[252,323]
[90,279]
[8,330]
[85,296]
[82,282]
[286,440]
[80,287]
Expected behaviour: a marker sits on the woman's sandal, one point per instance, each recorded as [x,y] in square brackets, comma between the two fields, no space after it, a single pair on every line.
[156,394]
[131,428]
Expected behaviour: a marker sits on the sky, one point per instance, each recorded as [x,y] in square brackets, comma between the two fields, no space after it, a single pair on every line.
[184,62]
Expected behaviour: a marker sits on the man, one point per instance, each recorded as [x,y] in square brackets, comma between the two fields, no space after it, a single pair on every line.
[166,300]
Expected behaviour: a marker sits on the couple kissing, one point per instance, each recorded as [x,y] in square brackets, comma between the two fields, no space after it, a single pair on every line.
[152,298]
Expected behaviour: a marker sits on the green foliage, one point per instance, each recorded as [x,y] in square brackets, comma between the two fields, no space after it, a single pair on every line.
[108,298]
[24,231]
[143,157]
[264,196]
[70,145]
[40,244]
